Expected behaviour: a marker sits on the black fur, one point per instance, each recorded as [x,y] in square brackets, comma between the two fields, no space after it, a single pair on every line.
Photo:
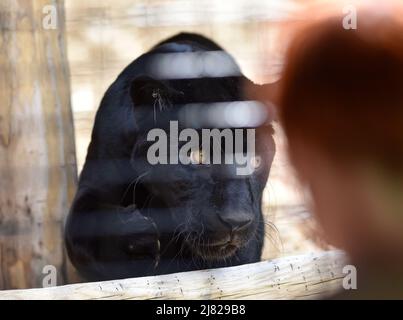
[130,218]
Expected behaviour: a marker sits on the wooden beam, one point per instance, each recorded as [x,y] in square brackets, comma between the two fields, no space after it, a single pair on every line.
[306,276]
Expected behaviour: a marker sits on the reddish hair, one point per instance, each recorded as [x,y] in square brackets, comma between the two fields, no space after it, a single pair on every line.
[342,90]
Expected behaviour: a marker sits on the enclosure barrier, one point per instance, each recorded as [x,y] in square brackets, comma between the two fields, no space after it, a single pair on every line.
[305,276]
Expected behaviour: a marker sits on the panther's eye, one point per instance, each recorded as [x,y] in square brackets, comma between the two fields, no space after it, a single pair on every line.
[256,162]
[197,157]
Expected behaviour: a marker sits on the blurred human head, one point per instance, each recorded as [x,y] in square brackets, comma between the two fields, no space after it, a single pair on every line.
[341,106]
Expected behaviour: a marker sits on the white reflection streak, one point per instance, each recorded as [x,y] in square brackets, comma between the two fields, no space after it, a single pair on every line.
[190,65]
[232,114]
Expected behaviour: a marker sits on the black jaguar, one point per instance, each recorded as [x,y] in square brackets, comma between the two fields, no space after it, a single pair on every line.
[133,218]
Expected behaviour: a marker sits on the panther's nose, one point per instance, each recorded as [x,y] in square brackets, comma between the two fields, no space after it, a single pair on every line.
[237,223]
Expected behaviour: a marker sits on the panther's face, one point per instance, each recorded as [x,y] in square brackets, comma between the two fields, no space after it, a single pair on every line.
[215,208]
[221,210]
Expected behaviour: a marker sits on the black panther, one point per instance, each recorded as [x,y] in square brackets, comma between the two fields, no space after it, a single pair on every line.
[131,218]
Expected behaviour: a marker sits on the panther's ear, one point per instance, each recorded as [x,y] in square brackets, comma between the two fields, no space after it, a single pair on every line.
[268,93]
[152,100]
[145,91]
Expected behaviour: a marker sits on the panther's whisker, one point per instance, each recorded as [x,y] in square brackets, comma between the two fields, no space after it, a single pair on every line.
[148,202]
[175,238]
[127,190]
[135,184]
[274,237]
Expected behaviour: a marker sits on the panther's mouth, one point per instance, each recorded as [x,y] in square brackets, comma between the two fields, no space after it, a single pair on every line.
[216,252]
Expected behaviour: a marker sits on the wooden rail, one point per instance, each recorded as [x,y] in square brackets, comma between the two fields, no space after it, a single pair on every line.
[307,276]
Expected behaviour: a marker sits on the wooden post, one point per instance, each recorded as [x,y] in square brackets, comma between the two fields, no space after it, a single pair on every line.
[37,156]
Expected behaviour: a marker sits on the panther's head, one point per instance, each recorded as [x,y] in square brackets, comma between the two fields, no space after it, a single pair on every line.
[215,205]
